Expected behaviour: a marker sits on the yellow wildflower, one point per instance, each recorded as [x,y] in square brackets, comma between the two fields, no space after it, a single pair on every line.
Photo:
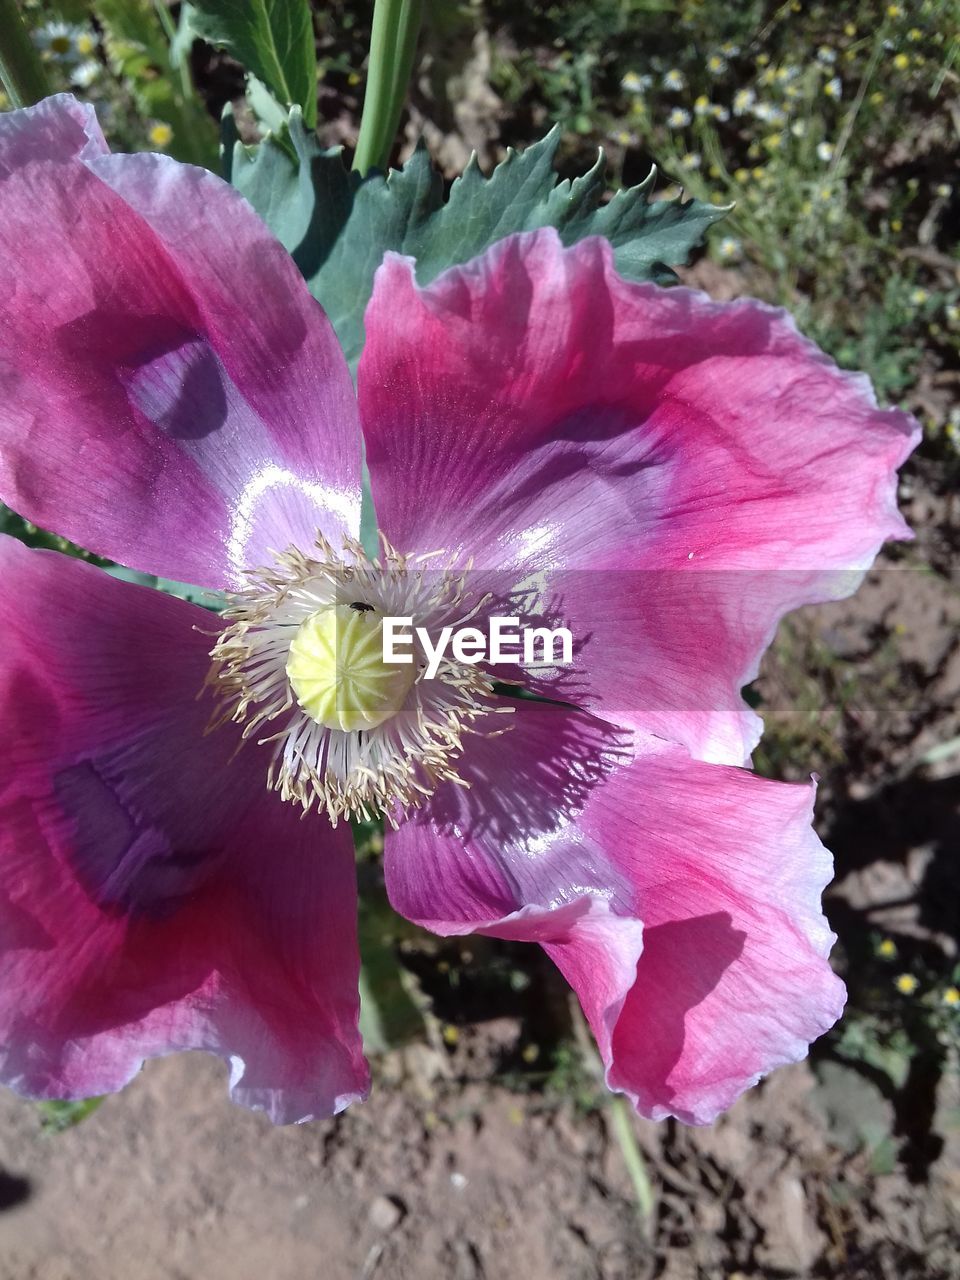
[160,134]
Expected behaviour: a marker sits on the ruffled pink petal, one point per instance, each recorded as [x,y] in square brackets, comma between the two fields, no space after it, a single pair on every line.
[154,896]
[170,394]
[678,472]
[680,899]
[60,128]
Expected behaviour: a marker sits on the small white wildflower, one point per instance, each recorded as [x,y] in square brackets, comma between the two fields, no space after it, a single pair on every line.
[799,128]
[743,100]
[952,312]
[918,297]
[825,151]
[674,80]
[942,189]
[826,55]
[633,82]
[691,160]
[834,88]
[729,49]
[769,113]
[719,113]
[678,118]
[730,249]
[716,64]
[85,74]
[703,106]
[58,40]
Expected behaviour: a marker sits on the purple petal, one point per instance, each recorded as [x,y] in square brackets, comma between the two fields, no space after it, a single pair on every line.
[172,397]
[154,896]
[678,472]
[680,899]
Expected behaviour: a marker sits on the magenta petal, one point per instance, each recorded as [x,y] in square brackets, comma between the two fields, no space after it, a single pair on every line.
[678,472]
[680,899]
[170,394]
[154,896]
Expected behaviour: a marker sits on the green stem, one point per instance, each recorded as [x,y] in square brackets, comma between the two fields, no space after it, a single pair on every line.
[621,1122]
[393,45]
[20,67]
[620,1119]
[170,31]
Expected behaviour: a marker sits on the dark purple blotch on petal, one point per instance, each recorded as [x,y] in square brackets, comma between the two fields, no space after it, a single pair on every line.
[123,861]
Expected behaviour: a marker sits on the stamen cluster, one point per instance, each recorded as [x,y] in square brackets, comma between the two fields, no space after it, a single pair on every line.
[385,769]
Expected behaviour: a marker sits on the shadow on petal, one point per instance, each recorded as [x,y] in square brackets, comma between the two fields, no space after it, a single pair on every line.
[525,784]
[681,964]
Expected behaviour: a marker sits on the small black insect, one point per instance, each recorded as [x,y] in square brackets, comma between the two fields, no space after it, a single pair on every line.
[361,607]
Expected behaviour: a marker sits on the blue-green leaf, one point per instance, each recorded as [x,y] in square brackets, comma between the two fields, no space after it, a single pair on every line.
[338,226]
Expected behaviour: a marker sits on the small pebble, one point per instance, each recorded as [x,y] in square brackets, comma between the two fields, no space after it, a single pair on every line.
[385,1213]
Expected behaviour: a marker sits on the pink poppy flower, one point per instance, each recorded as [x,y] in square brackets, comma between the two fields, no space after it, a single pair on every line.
[665,474]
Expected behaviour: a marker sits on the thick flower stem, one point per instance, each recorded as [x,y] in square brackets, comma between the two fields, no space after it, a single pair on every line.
[20,67]
[393,44]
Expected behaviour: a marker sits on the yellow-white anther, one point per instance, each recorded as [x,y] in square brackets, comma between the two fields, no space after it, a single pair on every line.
[336,670]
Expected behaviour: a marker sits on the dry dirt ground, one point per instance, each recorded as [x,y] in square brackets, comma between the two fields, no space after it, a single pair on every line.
[170,1182]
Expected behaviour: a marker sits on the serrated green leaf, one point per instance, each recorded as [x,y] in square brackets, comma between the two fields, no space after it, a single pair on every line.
[338,226]
[272,38]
